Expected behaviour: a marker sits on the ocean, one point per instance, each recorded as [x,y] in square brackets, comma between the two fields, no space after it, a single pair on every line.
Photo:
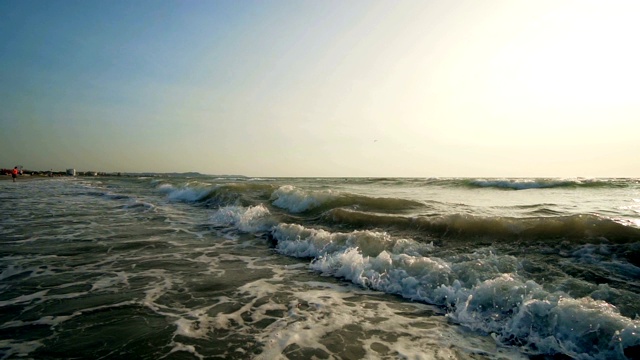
[203,267]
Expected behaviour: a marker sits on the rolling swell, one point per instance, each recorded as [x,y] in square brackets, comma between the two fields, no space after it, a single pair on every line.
[243,194]
[579,228]
[365,212]
[503,183]
[315,202]
[534,269]
[525,184]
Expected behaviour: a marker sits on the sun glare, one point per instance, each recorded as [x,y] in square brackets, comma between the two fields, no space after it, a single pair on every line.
[573,56]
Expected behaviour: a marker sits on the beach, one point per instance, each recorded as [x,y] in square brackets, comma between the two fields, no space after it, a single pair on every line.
[198,266]
[24,177]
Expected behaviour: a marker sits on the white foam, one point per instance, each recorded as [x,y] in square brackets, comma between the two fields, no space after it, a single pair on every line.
[13,349]
[179,347]
[185,193]
[329,317]
[296,200]
[196,326]
[574,325]
[165,283]
[297,240]
[136,204]
[522,184]
[10,271]
[251,219]
[482,291]
[25,298]
[46,320]
[111,282]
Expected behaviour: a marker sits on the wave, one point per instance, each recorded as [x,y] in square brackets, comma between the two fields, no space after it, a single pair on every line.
[297,200]
[217,195]
[575,227]
[186,193]
[244,194]
[521,301]
[251,219]
[482,291]
[299,241]
[130,201]
[365,212]
[498,183]
[371,241]
[525,184]
[139,205]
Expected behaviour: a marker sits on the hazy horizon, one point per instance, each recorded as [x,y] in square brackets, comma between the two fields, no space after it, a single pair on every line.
[322,89]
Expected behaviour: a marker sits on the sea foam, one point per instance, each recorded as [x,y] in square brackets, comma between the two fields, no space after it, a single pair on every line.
[186,193]
[297,201]
[482,291]
[246,219]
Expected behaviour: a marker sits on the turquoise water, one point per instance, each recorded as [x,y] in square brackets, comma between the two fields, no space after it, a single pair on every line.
[220,267]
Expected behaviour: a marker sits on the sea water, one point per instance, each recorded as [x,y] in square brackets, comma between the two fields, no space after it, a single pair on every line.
[199,267]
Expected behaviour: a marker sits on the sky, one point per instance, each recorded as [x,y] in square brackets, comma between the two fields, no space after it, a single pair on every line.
[322,88]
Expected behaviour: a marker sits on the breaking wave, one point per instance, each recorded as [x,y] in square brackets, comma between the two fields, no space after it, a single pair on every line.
[217,195]
[482,291]
[458,255]
[299,201]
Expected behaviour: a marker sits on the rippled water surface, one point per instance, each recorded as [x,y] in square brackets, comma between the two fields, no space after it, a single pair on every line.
[217,267]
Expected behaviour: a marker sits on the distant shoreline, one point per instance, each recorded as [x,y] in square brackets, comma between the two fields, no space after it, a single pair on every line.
[25,177]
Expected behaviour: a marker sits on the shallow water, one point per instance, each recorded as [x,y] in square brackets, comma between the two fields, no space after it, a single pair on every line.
[205,267]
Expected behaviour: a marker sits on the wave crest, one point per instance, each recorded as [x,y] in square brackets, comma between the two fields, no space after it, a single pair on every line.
[246,219]
[185,194]
[482,291]
[525,184]
[576,227]
[297,200]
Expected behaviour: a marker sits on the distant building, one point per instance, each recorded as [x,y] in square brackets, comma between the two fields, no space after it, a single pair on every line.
[71,172]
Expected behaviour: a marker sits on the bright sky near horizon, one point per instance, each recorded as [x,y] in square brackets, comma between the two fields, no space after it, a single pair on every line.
[322,88]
